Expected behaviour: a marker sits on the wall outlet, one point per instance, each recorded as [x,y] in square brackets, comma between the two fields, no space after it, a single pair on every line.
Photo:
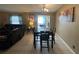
[73,46]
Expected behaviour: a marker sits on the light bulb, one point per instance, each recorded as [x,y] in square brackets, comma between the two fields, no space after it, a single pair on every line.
[45,9]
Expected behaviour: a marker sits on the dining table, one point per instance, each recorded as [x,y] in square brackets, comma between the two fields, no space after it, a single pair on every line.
[37,35]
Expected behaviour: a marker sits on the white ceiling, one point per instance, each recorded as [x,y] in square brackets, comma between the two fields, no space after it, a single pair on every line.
[29,7]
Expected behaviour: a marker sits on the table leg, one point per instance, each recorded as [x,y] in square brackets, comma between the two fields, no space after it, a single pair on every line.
[34,43]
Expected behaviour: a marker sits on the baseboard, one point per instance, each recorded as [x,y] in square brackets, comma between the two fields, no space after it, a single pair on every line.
[65,44]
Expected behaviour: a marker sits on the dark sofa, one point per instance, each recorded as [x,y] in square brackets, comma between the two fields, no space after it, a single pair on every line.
[10,34]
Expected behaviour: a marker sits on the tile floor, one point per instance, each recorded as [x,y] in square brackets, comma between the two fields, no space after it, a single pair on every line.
[25,46]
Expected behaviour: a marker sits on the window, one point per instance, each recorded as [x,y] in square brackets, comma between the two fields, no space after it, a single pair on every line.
[16,20]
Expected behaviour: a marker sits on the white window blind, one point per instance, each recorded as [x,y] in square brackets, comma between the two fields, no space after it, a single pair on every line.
[16,20]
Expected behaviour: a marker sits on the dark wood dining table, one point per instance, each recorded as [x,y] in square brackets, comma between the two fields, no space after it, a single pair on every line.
[37,34]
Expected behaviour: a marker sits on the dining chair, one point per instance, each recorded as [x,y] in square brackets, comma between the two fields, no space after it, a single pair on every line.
[44,38]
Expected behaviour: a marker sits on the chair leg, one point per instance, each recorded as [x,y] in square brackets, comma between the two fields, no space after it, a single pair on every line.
[52,44]
[48,44]
[34,43]
[41,45]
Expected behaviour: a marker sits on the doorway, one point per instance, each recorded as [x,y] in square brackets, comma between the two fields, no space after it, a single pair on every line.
[43,23]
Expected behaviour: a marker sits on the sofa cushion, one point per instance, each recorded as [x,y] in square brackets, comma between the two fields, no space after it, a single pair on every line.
[15,29]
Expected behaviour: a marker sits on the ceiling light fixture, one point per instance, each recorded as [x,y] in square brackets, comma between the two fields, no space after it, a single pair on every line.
[44,8]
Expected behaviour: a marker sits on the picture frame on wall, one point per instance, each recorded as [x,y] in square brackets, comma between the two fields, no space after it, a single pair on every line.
[67,15]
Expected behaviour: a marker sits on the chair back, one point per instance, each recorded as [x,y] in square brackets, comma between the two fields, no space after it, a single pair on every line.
[44,36]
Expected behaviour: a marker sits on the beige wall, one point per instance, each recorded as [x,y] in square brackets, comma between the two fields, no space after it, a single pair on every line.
[3,18]
[69,31]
